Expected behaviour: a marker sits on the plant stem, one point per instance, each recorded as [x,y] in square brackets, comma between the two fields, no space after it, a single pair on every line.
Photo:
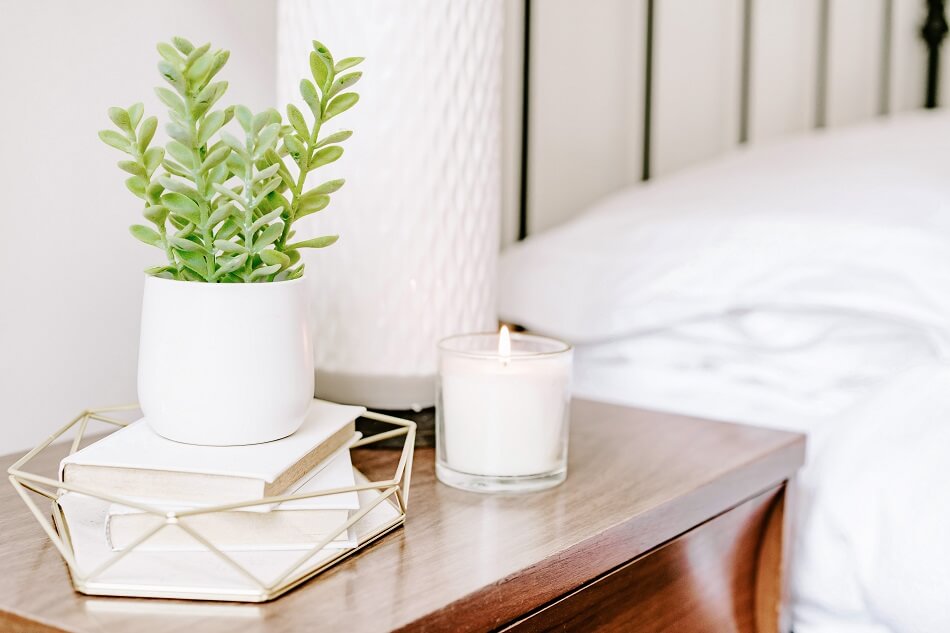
[200,186]
[302,176]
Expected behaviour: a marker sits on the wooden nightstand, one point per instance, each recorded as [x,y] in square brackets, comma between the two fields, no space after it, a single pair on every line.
[665,523]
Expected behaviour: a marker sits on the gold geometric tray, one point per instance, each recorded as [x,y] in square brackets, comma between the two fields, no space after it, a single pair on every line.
[208,574]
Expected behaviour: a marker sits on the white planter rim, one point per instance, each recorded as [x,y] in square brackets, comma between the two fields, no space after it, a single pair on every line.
[286,282]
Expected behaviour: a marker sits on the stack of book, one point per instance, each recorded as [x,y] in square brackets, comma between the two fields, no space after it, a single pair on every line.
[136,464]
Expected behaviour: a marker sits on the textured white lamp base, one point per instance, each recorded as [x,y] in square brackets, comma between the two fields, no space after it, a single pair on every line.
[419,217]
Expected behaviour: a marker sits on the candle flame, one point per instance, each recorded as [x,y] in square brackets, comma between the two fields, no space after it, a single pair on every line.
[504,344]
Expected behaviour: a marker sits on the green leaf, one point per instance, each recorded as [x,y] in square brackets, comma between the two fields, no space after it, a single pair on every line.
[310,97]
[341,104]
[329,186]
[153,158]
[172,75]
[244,117]
[215,158]
[208,96]
[200,67]
[272,257]
[183,206]
[181,153]
[348,62]
[317,242]
[296,149]
[230,265]
[132,167]
[234,143]
[226,246]
[168,52]
[344,82]
[183,244]
[209,125]
[336,137]
[220,59]
[326,156]
[268,236]
[221,214]
[266,219]
[135,113]
[136,184]
[228,230]
[263,271]
[319,68]
[183,45]
[175,168]
[267,172]
[116,140]
[267,139]
[156,214]
[179,133]
[153,194]
[121,118]
[145,234]
[324,52]
[259,121]
[171,101]
[311,203]
[179,186]
[187,228]
[295,116]
[229,193]
[146,132]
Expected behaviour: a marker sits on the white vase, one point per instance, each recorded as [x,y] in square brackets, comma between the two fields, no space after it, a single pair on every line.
[225,364]
[419,216]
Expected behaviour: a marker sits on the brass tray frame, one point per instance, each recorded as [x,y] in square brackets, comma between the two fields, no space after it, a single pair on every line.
[394,491]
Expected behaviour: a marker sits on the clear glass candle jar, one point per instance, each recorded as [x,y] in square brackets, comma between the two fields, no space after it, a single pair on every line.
[502,411]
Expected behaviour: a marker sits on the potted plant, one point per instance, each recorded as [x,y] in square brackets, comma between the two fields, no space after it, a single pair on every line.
[225,355]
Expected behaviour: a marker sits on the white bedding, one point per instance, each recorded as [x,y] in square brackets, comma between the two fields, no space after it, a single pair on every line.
[804,285]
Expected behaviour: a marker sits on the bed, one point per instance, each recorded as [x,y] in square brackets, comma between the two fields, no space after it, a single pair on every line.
[799,284]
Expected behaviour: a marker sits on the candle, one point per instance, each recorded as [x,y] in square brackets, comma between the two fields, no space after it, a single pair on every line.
[502,411]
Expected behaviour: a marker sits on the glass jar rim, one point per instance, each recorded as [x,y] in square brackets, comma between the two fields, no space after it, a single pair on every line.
[562,347]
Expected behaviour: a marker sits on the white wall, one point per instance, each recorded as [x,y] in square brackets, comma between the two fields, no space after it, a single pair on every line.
[70,274]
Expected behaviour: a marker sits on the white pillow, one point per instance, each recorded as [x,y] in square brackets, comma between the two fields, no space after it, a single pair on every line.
[847,220]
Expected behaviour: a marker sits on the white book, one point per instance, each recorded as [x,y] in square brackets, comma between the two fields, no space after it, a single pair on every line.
[294,524]
[137,463]
[191,574]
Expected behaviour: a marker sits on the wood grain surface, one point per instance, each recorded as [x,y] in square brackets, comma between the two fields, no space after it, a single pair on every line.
[704,580]
[464,561]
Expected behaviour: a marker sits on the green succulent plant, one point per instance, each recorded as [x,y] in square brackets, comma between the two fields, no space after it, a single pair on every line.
[222,206]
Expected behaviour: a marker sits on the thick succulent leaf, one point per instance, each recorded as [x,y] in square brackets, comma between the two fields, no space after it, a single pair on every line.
[272,257]
[326,156]
[116,140]
[340,104]
[336,137]
[316,242]
[145,234]
[329,186]
[348,62]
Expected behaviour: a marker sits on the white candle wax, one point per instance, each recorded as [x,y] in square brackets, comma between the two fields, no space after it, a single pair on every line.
[505,415]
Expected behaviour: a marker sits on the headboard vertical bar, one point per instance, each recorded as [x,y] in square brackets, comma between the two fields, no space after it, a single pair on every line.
[887,45]
[745,77]
[821,72]
[933,31]
[525,113]
[648,92]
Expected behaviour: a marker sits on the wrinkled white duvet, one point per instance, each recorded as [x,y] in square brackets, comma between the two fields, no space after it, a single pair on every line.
[805,286]
[871,549]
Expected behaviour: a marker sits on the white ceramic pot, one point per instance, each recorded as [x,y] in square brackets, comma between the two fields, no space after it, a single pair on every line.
[225,364]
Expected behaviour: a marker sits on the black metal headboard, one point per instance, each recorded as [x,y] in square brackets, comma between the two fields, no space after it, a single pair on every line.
[933,32]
